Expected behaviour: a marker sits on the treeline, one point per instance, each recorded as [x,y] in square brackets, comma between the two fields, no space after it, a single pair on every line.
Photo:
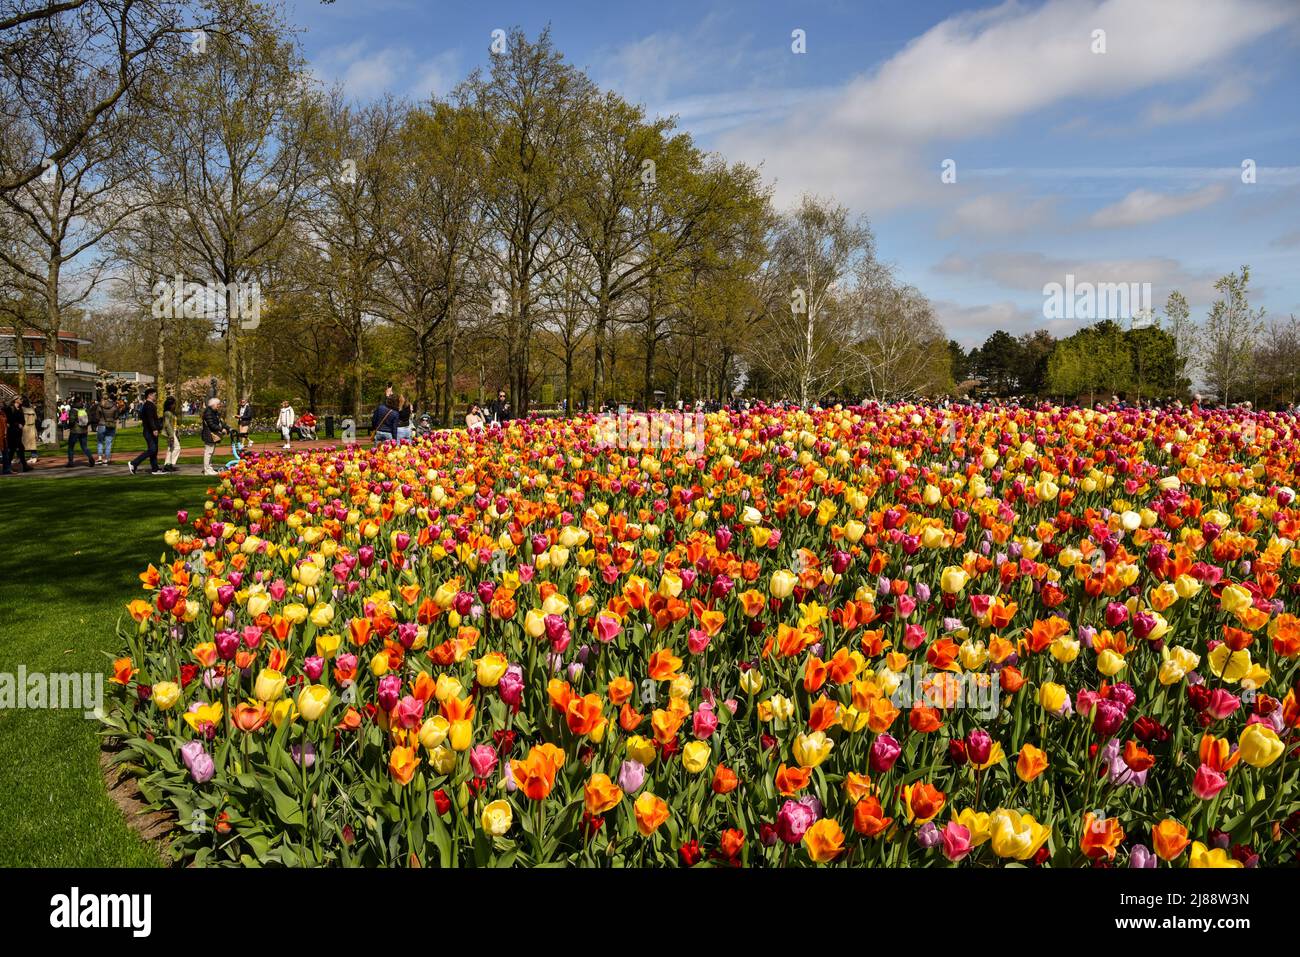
[529,231]
[1235,354]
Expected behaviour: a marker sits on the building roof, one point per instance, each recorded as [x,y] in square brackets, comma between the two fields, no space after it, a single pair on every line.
[7,332]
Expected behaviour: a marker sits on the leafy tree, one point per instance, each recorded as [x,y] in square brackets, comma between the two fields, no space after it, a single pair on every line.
[1231,331]
[1000,363]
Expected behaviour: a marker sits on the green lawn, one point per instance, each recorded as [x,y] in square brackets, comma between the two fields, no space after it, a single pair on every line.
[131,439]
[71,552]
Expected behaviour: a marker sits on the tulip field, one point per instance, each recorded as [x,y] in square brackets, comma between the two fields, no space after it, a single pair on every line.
[899,636]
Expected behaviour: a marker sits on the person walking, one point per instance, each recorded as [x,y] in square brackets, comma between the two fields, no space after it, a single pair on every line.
[152,427]
[11,437]
[78,429]
[211,430]
[245,423]
[104,417]
[29,431]
[285,422]
[169,433]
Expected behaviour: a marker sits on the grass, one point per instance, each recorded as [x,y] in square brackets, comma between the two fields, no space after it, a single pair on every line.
[132,440]
[72,551]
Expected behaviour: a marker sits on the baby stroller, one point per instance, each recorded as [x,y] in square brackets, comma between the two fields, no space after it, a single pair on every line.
[235,449]
[306,427]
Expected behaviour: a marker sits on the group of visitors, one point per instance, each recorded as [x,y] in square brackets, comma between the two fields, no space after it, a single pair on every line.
[17,434]
[157,428]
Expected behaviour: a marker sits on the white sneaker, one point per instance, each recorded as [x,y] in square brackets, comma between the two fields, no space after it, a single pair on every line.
[286,446]
[211,472]
[131,467]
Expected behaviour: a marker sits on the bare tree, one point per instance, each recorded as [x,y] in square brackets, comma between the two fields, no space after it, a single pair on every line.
[1231,331]
[62,217]
[902,347]
[67,67]
[230,156]
[806,347]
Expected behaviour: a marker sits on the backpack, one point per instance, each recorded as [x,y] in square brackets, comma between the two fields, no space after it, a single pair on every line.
[82,418]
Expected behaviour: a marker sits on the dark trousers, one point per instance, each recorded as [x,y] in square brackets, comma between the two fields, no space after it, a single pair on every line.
[16,452]
[150,452]
[73,439]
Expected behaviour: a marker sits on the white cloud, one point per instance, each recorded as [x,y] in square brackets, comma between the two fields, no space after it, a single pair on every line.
[971,325]
[1223,96]
[437,76]
[366,73]
[875,144]
[1144,206]
[1029,272]
[997,214]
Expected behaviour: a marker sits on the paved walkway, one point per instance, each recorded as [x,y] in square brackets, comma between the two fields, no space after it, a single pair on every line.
[52,461]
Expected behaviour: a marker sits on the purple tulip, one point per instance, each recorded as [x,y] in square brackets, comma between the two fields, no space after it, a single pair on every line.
[631,776]
[198,761]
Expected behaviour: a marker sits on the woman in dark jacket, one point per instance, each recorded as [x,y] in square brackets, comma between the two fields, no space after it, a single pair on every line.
[13,436]
[383,421]
[212,428]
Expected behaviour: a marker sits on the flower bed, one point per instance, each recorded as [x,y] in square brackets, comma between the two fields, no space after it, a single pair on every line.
[883,637]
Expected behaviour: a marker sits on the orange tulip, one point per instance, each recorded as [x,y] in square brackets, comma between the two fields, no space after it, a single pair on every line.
[619,690]
[663,665]
[869,819]
[824,840]
[402,765]
[922,802]
[856,786]
[1031,763]
[822,714]
[122,671]
[650,812]
[249,716]
[814,675]
[535,775]
[724,780]
[790,781]
[601,795]
[1169,838]
[1101,837]
[583,715]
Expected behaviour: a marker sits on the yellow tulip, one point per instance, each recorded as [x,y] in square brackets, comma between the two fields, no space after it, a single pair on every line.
[312,701]
[1259,745]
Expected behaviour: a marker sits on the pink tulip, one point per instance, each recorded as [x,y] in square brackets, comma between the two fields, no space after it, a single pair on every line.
[1208,782]
[956,841]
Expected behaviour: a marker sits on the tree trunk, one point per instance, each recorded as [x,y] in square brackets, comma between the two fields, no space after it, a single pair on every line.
[51,374]
[51,377]
[232,396]
[20,355]
[160,356]
[448,397]
[358,364]
[568,379]
[648,386]
[421,372]
[598,361]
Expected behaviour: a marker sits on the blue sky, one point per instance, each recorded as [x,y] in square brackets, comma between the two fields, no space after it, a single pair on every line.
[1115,166]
